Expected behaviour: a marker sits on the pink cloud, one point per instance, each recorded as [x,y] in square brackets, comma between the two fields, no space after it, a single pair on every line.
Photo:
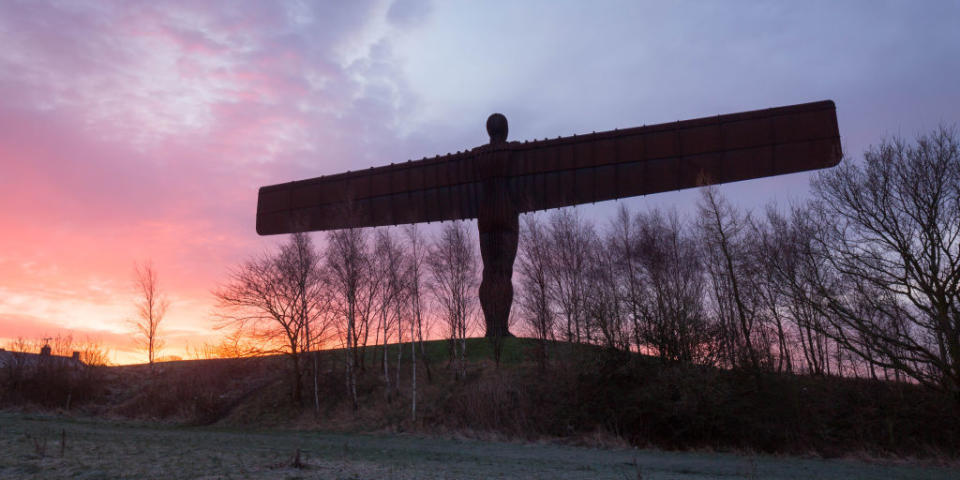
[134,132]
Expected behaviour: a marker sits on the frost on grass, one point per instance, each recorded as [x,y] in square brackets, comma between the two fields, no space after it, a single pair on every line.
[30,447]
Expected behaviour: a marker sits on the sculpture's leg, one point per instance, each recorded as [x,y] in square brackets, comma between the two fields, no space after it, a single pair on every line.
[498,248]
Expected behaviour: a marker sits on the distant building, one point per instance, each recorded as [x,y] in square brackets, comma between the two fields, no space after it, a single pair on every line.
[34,360]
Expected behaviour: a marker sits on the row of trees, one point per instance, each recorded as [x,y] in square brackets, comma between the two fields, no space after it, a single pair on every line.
[863,280]
[365,288]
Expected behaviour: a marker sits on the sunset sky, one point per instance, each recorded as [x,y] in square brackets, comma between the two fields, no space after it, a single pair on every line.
[136,131]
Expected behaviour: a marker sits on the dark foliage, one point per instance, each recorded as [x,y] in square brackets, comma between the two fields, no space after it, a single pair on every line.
[584,391]
[683,406]
[195,392]
[53,382]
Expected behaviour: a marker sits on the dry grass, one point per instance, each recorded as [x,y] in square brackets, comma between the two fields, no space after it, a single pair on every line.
[586,396]
[98,449]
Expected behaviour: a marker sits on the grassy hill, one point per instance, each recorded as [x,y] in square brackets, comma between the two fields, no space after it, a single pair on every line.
[582,394]
[515,350]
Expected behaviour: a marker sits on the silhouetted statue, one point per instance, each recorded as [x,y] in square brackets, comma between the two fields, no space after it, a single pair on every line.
[494,183]
[498,220]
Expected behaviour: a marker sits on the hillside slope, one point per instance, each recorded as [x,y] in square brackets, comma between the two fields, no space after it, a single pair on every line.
[581,394]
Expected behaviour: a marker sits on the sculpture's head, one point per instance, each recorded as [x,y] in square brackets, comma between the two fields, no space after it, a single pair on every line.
[497,128]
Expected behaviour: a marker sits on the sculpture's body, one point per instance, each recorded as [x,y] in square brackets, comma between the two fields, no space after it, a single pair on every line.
[494,183]
[498,220]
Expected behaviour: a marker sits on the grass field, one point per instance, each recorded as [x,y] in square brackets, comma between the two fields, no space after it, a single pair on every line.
[30,447]
[514,350]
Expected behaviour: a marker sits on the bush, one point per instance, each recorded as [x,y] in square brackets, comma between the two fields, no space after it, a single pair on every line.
[52,382]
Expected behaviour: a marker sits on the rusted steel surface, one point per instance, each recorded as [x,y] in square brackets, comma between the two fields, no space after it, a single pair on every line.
[561,172]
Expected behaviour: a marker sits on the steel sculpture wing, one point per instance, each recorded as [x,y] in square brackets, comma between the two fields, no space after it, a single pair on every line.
[562,172]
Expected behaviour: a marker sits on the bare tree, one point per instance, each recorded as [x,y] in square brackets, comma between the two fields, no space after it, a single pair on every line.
[570,241]
[92,352]
[778,243]
[453,265]
[367,302]
[152,306]
[415,268]
[604,305]
[673,322]
[236,343]
[299,261]
[276,299]
[533,271]
[730,267]
[771,238]
[348,268]
[890,234]
[389,266]
[622,240]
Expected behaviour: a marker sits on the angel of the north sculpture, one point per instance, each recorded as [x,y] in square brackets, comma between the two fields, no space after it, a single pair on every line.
[496,182]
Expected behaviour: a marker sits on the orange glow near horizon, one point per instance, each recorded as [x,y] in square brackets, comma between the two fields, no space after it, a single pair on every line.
[136,133]
[141,132]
